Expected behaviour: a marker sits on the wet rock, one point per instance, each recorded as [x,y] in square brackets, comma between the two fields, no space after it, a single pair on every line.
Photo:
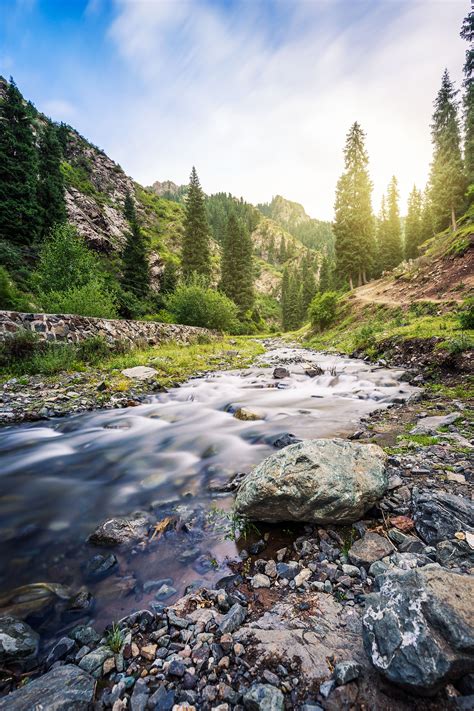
[344,672]
[314,371]
[117,531]
[247,415]
[264,697]
[260,581]
[287,570]
[93,662]
[139,697]
[455,553]
[369,548]
[162,700]
[285,440]
[60,650]
[418,630]
[321,481]
[85,635]
[165,592]
[140,372]
[62,689]
[99,566]
[233,619]
[18,642]
[279,373]
[439,516]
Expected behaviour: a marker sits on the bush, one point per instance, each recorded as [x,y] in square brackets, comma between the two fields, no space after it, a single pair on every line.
[10,297]
[65,261]
[466,314]
[194,304]
[21,345]
[91,299]
[93,349]
[322,310]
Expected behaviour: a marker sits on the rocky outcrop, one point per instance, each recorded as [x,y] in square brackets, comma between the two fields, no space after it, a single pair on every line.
[73,329]
[419,631]
[62,689]
[319,481]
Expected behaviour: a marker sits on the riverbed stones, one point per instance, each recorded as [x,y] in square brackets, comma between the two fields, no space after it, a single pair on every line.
[18,641]
[418,629]
[264,697]
[233,619]
[140,372]
[247,415]
[319,481]
[121,530]
[439,516]
[369,548]
[62,689]
[279,373]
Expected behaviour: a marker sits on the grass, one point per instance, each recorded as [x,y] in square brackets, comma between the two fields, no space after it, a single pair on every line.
[115,638]
[420,439]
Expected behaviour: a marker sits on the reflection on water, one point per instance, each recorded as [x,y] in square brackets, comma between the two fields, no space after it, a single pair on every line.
[61,478]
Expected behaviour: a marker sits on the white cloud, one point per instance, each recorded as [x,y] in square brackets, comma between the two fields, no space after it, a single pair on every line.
[262,109]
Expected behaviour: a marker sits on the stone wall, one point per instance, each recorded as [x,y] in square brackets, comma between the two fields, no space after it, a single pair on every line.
[72,329]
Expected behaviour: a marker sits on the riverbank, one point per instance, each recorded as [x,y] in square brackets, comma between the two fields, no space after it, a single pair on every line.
[85,387]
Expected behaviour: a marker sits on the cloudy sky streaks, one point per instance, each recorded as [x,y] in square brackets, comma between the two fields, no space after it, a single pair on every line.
[258,94]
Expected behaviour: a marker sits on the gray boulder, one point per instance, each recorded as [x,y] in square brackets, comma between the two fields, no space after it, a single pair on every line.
[418,630]
[18,642]
[320,481]
[264,697]
[126,529]
[369,548]
[62,689]
[438,516]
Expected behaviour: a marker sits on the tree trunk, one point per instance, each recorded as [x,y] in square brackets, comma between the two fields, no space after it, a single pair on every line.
[351,284]
[359,283]
[453,219]
[364,277]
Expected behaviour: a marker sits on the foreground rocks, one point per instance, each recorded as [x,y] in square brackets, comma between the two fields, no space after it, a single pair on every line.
[419,629]
[18,642]
[321,481]
[65,688]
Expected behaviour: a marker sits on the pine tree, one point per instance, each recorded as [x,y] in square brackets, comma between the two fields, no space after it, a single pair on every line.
[19,221]
[271,249]
[325,276]
[447,179]
[237,265]
[282,256]
[354,223]
[196,255]
[380,234]
[467,33]
[427,224]
[413,225]
[390,240]
[50,192]
[308,284]
[135,266]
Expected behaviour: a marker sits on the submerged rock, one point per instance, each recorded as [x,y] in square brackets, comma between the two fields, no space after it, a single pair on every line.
[439,516]
[321,481]
[247,415]
[279,373]
[18,642]
[127,529]
[62,689]
[419,629]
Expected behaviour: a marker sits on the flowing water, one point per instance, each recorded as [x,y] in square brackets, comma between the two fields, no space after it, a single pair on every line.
[171,456]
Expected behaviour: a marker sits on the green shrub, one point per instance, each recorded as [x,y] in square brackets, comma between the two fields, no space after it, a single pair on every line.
[21,345]
[65,261]
[10,297]
[466,314]
[459,344]
[93,349]
[194,304]
[322,310]
[90,299]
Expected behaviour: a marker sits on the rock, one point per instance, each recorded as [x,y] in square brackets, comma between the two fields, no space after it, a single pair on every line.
[285,440]
[302,577]
[60,650]
[117,531]
[176,668]
[344,672]
[314,371]
[18,642]
[140,372]
[165,592]
[426,425]
[247,415]
[279,373]
[99,566]
[148,652]
[85,635]
[139,698]
[264,697]
[287,570]
[418,630]
[369,548]
[233,619]
[455,553]
[162,700]
[439,516]
[260,581]
[62,689]
[320,481]
[93,662]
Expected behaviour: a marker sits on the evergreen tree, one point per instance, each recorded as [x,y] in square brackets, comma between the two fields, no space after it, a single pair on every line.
[381,231]
[390,240]
[237,265]
[18,170]
[427,225]
[271,249]
[50,192]
[413,225]
[354,223]
[447,180]
[196,255]
[308,284]
[325,275]
[282,256]
[135,266]
[467,33]
[290,300]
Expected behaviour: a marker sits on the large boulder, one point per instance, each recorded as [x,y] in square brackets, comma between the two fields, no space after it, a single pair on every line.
[62,689]
[419,628]
[439,516]
[18,642]
[321,481]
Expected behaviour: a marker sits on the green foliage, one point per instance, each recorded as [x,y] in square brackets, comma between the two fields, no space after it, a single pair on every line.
[50,190]
[19,346]
[220,206]
[354,223]
[459,344]
[19,221]
[115,638]
[90,299]
[413,223]
[466,314]
[10,297]
[237,264]
[314,234]
[194,304]
[291,315]
[322,310]
[135,266]
[389,233]
[93,349]
[65,262]
[196,256]
[467,33]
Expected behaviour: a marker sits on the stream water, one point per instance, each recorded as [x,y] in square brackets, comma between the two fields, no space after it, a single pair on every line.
[59,479]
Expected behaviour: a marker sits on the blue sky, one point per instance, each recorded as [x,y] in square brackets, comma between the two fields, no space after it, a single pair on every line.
[258,94]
